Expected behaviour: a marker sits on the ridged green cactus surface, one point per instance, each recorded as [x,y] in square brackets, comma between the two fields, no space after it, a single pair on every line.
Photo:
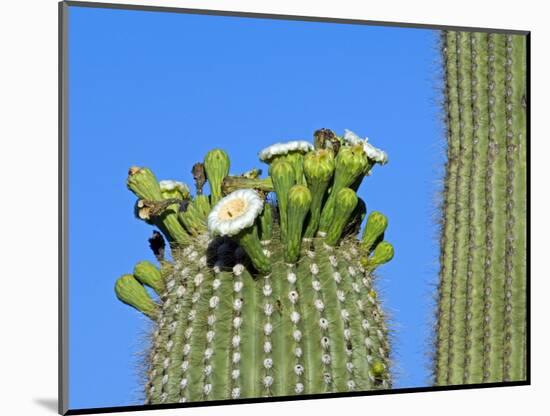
[264,298]
[482,310]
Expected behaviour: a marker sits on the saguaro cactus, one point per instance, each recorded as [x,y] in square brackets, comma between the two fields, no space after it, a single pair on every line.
[482,310]
[256,301]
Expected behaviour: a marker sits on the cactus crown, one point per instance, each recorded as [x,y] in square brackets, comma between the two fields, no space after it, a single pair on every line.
[262,297]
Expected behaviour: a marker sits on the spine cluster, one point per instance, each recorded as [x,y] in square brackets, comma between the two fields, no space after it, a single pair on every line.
[481,311]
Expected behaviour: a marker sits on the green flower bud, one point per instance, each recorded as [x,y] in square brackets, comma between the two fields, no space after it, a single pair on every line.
[131,292]
[299,201]
[266,222]
[350,163]
[147,274]
[318,169]
[377,369]
[174,190]
[374,230]
[202,205]
[216,164]
[383,253]
[142,182]
[319,166]
[347,201]
[283,178]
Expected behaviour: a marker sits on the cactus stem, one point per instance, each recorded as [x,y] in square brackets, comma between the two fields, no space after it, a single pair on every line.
[232,183]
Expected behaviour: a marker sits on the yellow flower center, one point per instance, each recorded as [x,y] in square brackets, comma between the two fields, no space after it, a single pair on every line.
[232,209]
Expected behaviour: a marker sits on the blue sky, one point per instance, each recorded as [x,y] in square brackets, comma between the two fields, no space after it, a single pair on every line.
[160,90]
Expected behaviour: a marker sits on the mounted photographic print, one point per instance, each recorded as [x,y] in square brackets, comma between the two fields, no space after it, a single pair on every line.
[265,207]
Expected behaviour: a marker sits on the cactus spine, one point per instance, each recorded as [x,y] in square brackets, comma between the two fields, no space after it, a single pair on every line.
[256,300]
[481,311]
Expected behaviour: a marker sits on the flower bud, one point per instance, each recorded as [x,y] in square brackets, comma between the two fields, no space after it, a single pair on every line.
[147,274]
[216,165]
[131,292]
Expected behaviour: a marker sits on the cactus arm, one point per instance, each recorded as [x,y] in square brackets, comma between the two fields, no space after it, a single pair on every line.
[223,338]
[448,235]
[481,323]
[312,342]
[334,313]
[251,348]
[518,288]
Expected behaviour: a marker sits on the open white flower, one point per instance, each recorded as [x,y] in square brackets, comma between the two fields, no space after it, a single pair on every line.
[279,149]
[352,139]
[375,154]
[235,212]
[170,185]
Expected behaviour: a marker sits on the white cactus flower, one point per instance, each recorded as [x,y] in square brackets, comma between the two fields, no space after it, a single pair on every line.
[352,139]
[279,149]
[170,185]
[235,212]
[373,153]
